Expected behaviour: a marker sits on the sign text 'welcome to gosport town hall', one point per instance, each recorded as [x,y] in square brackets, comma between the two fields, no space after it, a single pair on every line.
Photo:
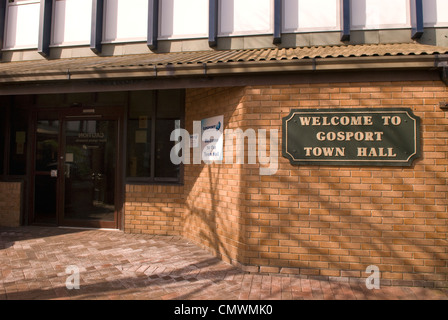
[361,137]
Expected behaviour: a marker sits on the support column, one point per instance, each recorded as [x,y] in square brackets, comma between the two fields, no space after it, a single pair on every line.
[417,19]
[96,36]
[278,21]
[345,20]
[213,11]
[46,12]
[2,24]
[153,24]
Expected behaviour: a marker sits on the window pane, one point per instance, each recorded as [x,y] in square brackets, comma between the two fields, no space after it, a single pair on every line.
[49,100]
[125,21]
[183,19]
[47,145]
[435,13]
[158,113]
[141,107]
[118,98]
[170,104]
[22,26]
[380,14]
[18,142]
[307,15]
[170,110]
[245,17]
[72,21]
[45,186]
[90,170]
[164,167]
[2,138]
[80,99]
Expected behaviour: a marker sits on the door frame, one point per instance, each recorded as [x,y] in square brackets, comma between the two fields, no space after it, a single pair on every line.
[73,114]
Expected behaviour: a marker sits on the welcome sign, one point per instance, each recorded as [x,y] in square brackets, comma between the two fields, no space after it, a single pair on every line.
[356,137]
[212,138]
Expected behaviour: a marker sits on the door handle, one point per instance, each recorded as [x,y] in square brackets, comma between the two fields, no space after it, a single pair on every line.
[97,176]
[67,171]
[54,173]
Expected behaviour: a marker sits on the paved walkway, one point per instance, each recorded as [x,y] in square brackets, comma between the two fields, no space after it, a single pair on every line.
[113,265]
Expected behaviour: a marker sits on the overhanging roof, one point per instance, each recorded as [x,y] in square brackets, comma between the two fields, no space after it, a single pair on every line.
[228,62]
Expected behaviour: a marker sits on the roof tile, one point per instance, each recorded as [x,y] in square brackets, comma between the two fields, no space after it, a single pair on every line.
[224,56]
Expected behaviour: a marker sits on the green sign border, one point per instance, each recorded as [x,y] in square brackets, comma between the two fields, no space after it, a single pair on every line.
[415,136]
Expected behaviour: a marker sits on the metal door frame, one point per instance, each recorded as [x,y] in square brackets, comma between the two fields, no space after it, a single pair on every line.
[73,114]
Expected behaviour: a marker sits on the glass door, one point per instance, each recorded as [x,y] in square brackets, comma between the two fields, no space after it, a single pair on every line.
[77,177]
[46,171]
[90,172]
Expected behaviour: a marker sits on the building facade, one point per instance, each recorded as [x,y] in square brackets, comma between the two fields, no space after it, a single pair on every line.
[106,106]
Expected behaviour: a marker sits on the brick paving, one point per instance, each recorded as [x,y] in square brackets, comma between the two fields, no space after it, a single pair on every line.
[118,266]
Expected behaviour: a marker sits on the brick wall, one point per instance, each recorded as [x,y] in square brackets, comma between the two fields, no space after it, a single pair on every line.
[312,221]
[153,210]
[213,193]
[325,221]
[10,204]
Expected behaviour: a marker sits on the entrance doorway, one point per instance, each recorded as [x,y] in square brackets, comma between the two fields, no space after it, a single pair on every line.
[77,172]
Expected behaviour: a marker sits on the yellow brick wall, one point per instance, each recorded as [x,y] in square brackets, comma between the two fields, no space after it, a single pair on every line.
[214,195]
[319,221]
[336,221]
[155,210]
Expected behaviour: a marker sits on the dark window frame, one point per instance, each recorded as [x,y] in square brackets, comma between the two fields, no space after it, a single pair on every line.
[4,135]
[7,135]
[5,174]
[27,151]
[153,179]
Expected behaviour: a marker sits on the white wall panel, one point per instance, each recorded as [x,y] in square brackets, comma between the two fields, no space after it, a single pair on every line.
[72,22]
[435,13]
[241,17]
[380,14]
[22,25]
[311,15]
[126,20]
[183,19]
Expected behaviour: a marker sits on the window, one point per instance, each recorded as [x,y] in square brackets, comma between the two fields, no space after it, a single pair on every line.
[152,116]
[2,139]
[22,24]
[169,114]
[72,22]
[435,13]
[126,20]
[183,19]
[244,17]
[18,141]
[380,14]
[311,15]
[141,111]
